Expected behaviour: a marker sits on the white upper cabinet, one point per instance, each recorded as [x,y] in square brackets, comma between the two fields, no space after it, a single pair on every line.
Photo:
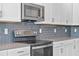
[58,13]
[11,12]
[0,6]
[0,9]
[68,13]
[76,13]
[62,12]
[48,12]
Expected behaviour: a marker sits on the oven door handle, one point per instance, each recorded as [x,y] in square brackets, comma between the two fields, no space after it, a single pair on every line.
[42,46]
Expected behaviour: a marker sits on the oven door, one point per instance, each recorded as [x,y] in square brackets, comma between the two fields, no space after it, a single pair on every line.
[43,50]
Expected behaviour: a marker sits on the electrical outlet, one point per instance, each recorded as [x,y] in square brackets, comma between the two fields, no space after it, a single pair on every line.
[55,30]
[65,30]
[75,30]
[35,32]
[40,30]
[6,31]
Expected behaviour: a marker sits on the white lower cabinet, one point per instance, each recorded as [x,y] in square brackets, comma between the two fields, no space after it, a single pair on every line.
[3,53]
[24,51]
[64,48]
[76,47]
[56,51]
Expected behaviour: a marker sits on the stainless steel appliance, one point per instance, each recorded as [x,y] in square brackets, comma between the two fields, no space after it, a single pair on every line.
[38,47]
[42,48]
[32,12]
[25,35]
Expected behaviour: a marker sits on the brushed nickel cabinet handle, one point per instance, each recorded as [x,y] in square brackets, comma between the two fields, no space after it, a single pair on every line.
[66,21]
[61,50]
[20,51]
[0,13]
[52,19]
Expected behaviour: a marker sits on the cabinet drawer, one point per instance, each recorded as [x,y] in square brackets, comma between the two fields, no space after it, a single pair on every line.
[57,44]
[24,51]
[63,43]
[68,42]
[3,53]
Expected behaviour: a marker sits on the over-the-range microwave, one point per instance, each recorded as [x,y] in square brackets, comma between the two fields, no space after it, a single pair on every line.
[32,12]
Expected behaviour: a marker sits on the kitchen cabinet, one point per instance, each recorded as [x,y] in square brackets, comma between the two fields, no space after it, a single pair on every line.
[69,49]
[76,47]
[62,13]
[0,6]
[24,51]
[0,9]
[57,49]
[63,48]
[58,13]
[76,13]
[11,12]
[3,53]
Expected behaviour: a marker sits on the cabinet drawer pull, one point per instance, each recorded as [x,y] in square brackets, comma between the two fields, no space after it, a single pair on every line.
[52,19]
[0,13]
[20,51]
[66,21]
[61,50]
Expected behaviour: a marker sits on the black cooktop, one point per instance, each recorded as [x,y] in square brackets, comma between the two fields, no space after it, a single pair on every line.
[35,43]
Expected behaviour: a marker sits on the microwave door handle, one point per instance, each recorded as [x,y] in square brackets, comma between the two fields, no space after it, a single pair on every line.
[42,46]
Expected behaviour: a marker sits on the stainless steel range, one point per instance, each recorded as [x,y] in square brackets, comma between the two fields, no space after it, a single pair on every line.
[38,47]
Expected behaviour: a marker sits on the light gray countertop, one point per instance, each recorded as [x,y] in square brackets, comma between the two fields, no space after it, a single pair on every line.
[12,46]
[18,45]
[60,39]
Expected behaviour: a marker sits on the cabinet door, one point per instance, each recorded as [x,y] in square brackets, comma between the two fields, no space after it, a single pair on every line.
[57,48]
[56,51]
[58,13]
[0,9]
[65,48]
[24,51]
[11,11]
[76,13]
[68,13]
[69,47]
[0,6]
[62,12]
[3,53]
[59,51]
[69,50]
[76,47]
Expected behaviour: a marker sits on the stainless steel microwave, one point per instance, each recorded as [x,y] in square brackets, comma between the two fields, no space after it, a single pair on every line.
[32,12]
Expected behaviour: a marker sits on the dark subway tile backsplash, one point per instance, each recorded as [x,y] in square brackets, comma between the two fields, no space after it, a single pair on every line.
[47,31]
